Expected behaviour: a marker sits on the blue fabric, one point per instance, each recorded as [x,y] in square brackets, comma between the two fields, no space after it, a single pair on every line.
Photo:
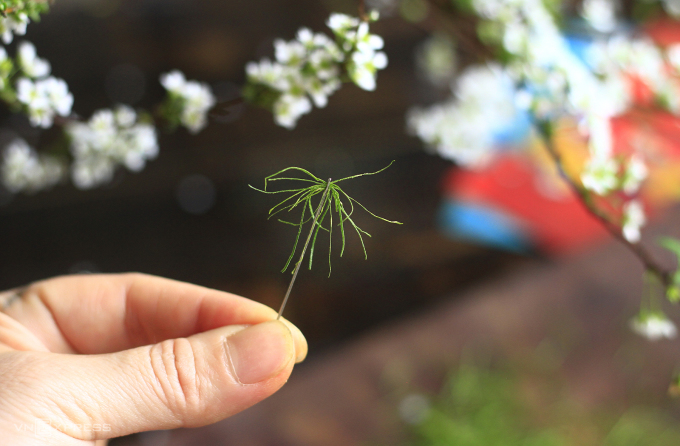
[579,45]
[481,224]
[515,132]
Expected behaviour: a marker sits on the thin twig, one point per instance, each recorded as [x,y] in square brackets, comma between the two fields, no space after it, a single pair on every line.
[650,264]
[462,29]
[614,229]
[222,108]
[299,263]
[362,10]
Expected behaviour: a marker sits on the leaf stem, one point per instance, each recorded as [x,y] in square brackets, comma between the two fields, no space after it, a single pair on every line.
[304,249]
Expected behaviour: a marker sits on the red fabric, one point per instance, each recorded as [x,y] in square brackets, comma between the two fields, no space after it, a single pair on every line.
[508,185]
[664,31]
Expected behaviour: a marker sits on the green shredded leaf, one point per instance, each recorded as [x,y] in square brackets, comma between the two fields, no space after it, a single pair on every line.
[333,202]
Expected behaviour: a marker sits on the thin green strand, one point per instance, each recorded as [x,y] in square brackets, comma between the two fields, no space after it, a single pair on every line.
[333,202]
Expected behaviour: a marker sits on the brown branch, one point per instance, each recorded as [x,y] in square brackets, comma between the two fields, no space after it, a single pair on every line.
[614,229]
[223,108]
[451,22]
[362,11]
[455,25]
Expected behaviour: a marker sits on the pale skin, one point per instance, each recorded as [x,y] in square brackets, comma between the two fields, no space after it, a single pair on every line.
[88,358]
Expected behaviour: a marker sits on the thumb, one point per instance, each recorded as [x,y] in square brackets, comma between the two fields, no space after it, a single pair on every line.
[184,382]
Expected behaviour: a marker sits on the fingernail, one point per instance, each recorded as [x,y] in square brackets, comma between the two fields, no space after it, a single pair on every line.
[260,352]
[299,339]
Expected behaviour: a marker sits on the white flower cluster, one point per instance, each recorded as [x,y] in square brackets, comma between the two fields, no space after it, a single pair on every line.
[194,99]
[654,326]
[361,47]
[542,65]
[672,7]
[108,139]
[600,14]
[592,92]
[462,129]
[633,219]
[612,57]
[604,175]
[11,25]
[24,170]
[550,81]
[43,96]
[311,66]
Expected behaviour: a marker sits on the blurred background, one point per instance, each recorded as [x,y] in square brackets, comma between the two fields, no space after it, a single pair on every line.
[190,214]
[527,342]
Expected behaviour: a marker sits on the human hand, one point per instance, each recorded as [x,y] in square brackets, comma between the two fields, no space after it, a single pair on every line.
[88,358]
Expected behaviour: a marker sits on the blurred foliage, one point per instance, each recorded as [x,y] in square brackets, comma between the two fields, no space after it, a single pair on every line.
[33,9]
[673,290]
[484,407]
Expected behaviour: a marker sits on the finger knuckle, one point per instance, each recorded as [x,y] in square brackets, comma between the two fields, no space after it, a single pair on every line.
[178,385]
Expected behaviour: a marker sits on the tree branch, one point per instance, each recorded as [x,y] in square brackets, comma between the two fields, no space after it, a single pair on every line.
[614,229]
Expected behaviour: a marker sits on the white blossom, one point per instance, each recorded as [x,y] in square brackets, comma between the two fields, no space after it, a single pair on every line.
[554,82]
[268,73]
[516,37]
[57,93]
[125,116]
[173,81]
[196,99]
[308,69]
[600,14]
[32,65]
[672,7]
[600,175]
[600,142]
[91,172]
[289,53]
[365,60]
[342,23]
[24,170]
[324,62]
[365,41]
[40,113]
[289,108]
[489,9]
[319,90]
[636,172]
[142,146]
[633,220]
[11,25]
[110,138]
[305,36]
[654,326]
[639,57]
[44,99]
[364,67]
[462,129]
[673,55]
